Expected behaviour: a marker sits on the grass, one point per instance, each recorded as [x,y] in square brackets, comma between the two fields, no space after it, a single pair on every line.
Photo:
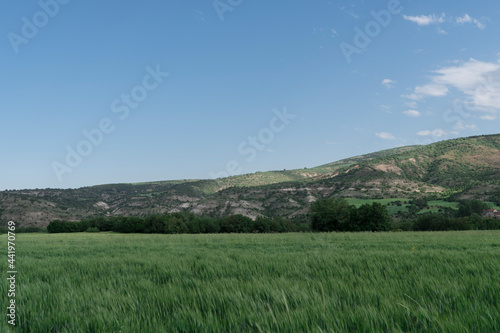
[434,205]
[428,210]
[345,282]
[358,202]
[442,203]
[493,205]
[392,210]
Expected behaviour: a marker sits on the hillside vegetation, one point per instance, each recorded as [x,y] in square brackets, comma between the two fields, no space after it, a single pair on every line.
[464,168]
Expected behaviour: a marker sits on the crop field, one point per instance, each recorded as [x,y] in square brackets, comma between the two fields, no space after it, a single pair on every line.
[493,205]
[434,205]
[442,203]
[310,282]
[358,202]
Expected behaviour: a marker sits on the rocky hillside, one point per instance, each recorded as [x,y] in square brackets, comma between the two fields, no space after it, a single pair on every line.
[464,168]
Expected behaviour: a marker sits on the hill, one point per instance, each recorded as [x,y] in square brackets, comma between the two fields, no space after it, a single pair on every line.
[460,168]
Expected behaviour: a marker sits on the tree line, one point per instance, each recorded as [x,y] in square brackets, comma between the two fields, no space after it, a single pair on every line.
[327,215]
[179,223]
[337,214]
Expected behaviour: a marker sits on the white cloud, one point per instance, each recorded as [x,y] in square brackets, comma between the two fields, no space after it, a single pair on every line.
[486,96]
[442,32]
[388,83]
[387,108]
[412,113]
[334,32]
[200,13]
[478,81]
[411,104]
[436,133]
[439,133]
[432,90]
[385,135]
[424,20]
[467,19]
[461,125]
[488,117]
[464,19]
[354,15]
[466,76]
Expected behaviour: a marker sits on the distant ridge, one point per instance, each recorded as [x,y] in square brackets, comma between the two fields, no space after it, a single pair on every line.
[463,167]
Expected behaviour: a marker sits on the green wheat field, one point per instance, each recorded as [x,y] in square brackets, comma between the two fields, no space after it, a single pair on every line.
[335,282]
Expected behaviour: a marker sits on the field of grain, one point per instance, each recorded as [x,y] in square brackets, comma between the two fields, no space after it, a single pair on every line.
[345,282]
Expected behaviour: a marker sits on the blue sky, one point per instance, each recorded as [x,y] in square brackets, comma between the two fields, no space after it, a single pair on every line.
[251,85]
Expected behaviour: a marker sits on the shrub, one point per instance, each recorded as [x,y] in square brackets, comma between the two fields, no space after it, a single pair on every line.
[154,224]
[55,226]
[131,224]
[119,224]
[373,217]
[330,214]
[262,224]
[195,225]
[103,224]
[236,224]
[469,207]
[175,225]
[337,215]
[211,226]
[30,230]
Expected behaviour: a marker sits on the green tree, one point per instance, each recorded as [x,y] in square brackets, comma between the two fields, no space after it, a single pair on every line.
[55,226]
[195,225]
[175,225]
[104,224]
[154,224]
[431,222]
[236,223]
[373,217]
[262,224]
[469,207]
[330,214]
[131,224]
[210,225]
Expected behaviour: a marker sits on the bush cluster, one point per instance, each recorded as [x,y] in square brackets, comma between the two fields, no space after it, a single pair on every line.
[178,223]
[21,230]
[338,215]
[438,222]
[325,215]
